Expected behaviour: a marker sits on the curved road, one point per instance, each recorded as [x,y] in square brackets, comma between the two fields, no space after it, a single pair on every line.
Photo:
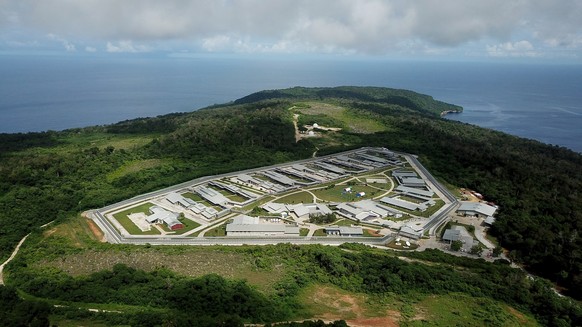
[14,253]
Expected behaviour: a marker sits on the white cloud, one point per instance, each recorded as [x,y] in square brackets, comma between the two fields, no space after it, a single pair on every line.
[126,46]
[69,47]
[90,49]
[339,26]
[516,49]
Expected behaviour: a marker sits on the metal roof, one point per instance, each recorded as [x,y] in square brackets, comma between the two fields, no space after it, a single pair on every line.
[478,207]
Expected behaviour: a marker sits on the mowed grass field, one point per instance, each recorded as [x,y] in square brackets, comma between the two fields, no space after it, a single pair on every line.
[337,193]
[300,197]
[130,227]
[354,122]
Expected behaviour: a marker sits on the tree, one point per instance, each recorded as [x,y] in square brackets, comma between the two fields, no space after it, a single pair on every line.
[476,249]
[497,251]
[456,245]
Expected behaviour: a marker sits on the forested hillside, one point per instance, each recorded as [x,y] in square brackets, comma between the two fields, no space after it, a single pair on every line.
[55,175]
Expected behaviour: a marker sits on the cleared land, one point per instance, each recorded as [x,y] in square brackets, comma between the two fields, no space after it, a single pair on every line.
[123,219]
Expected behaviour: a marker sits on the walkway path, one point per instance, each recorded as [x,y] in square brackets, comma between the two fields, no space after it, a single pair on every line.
[14,253]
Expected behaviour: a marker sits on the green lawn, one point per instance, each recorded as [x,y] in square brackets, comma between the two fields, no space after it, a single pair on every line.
[462,310]
[301,197]
[236,197]
[130,227]
[320,232]
[193,196]
[217,231]
[303,231]
[371,233]
[188,226]
[337,194]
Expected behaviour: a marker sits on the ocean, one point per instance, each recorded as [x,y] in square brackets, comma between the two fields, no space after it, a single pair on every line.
[537,101]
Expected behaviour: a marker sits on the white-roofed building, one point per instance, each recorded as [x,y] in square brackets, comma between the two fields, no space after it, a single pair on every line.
[175,198]
[243,225]
[160,215]
[344,230]
[415,191]
[211,195]
[476,209]
[403,204]
[410,232]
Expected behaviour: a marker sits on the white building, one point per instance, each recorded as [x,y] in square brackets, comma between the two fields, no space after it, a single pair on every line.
[243,225]
[476,209]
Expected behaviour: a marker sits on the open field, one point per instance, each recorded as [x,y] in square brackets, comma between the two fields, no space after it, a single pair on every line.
[300,197]
[337,194]
[462,310]
[192,262]
[217,231]
[330,303]
[188,226]
[133,167]
[350,120]
[193,196]
[129,225]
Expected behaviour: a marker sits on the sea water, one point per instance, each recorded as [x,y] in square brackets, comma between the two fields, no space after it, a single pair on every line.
[537,101]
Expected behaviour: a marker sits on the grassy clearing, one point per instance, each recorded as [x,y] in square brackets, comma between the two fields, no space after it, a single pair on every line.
[320,232]
[188,226]
[217,231]
[303,231]
[371,233]
[84,140]
[351,120]
[77,230]
[130,227]
[133,167]
[187,261]
[193,196]
[337,194]
[330,302]
[300,197]
[462,310]
[258,203]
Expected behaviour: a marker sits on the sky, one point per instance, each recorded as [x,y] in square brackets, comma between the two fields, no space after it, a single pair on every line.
[530,30]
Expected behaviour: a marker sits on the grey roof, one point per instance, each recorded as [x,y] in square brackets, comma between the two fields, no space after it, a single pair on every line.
[280,178]
[408,231]
[489,220]
[299,209]
[273,207]
[345,230]
[332,168]
[406,189]
[413,181]
[452,235]
[478,207]
[404,173]
[211,195]
[373,158]
[160,214]
[243,223]
[180,199]
[403,204]
[351,230]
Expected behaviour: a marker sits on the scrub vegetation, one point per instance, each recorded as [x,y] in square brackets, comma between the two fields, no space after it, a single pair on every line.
[55,175]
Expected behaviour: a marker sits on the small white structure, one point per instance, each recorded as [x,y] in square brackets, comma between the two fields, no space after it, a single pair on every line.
[315,125]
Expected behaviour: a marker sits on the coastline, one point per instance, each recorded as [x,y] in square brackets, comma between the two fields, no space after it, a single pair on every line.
[446,112]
